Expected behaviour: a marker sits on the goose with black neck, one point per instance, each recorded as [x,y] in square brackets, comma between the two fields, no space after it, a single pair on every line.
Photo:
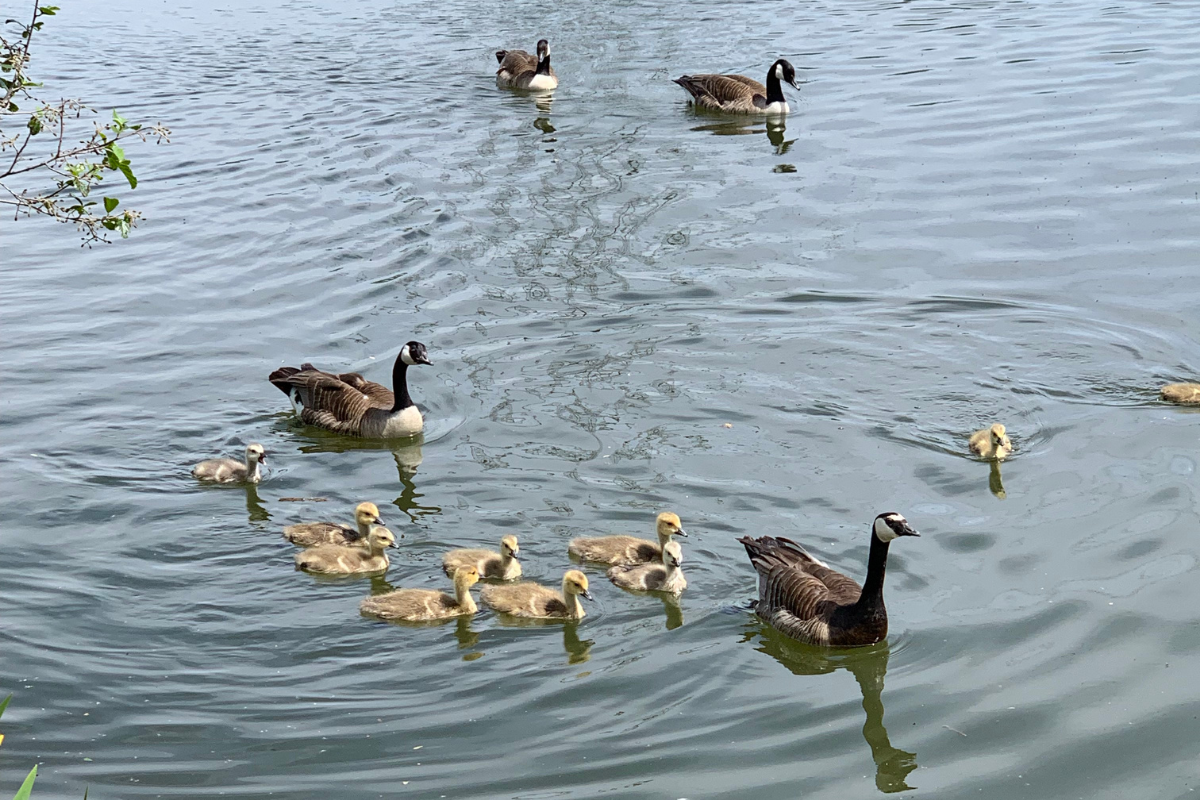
[805,599]
[737,94]
[349,404]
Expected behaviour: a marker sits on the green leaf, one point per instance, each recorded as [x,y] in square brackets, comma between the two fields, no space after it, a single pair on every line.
[35,126]
[128,173]
[12,106]
[109,204]
[49,11]
[118,120]
[26,787]
[4,704]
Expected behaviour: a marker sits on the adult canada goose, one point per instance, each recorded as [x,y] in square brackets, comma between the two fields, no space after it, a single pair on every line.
[664,577]
[229,470]
[350,404]
[519,70]
[620,550]
[991,442]
[311,534]
[534,601]
[503,565]
[333,559]
[806,600]
[737,94]
[1181,392]
[423,605]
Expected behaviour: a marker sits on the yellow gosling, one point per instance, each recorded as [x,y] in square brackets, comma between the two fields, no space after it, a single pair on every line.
[991,442]
[664,577]
[534,601]
[311,534]
[1181,393]
[503,565]
[364,557]
[228,470]
[423,605]
[620,550]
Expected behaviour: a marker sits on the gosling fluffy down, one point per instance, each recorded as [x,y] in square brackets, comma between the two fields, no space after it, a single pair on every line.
[228,470]
[534,601]
[1187,393]
[503,565]
[620,550]
[664,577]
[311,534]
[424,605]
[991,442]
[365,557]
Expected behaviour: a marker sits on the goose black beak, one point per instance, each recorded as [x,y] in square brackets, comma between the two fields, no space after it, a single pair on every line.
[586,594]
[908,531]
[513,556]
[794,84]
[681,532]
[423,360]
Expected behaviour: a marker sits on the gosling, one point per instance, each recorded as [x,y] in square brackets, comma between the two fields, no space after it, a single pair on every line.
[1181,393]
[534,601]
[424,605]
[503,565]
[311,534]
[365,557]
[991,443]
[228,470]
[628,550]
[665,577]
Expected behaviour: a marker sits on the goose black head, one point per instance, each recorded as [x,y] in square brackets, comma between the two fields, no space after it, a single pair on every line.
[543,49]
[414,353]
[785,72]
[890,525]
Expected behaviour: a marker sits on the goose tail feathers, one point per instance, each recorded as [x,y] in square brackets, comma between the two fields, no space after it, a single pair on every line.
[279,379]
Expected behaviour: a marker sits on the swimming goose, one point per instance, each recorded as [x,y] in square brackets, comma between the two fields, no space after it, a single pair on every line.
[806,600]
[1181,392]
[737,94]
[352,405]
[422,605]
[620,550]
[310,534]
[991,442]
[503,565]
[229,470]
[664,577]
[519,70]
[534,601]
[333,559]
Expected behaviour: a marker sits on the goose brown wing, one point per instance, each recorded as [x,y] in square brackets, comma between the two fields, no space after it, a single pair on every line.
[722,89]
[515,62]
[328,400]
[784,580]
[842,589]
[380,395]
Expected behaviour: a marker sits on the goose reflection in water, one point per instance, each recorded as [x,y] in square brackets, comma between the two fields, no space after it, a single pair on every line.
[254,505]
[407,455]
[775,128]
[995,484]
[868,665]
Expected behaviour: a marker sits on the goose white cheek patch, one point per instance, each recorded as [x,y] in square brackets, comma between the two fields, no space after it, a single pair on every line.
[406,357]
[884,531]
[779,71]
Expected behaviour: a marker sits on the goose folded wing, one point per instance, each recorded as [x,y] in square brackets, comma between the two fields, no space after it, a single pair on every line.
[721,88]
[754,85]
[801,595]
[842,589]
[517,61]
[380,395]
[329,396]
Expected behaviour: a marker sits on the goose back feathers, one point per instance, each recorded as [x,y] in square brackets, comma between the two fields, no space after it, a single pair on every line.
[424,605]
[737,94]
[503,565]
[803,598]
[1181,393]
[519,70]
[619,550]
[349,404]
[366,557]
[534,601]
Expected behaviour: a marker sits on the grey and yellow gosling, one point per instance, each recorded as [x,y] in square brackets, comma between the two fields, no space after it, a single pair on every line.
[624,550]
[311,534]
[991,443]
[228,470]
[361,558]
[503,565]
[664,577]
[424,605]
[1186,393]
[534,601]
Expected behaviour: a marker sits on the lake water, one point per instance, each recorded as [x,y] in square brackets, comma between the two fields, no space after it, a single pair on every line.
[978,211]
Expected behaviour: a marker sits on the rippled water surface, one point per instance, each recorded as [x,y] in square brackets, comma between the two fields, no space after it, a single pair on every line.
[979,211]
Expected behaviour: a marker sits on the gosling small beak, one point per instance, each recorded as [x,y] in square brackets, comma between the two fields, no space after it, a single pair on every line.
[513,556]
[378,521]
[395,545]
[681,532]
[262,457]
[586,594]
